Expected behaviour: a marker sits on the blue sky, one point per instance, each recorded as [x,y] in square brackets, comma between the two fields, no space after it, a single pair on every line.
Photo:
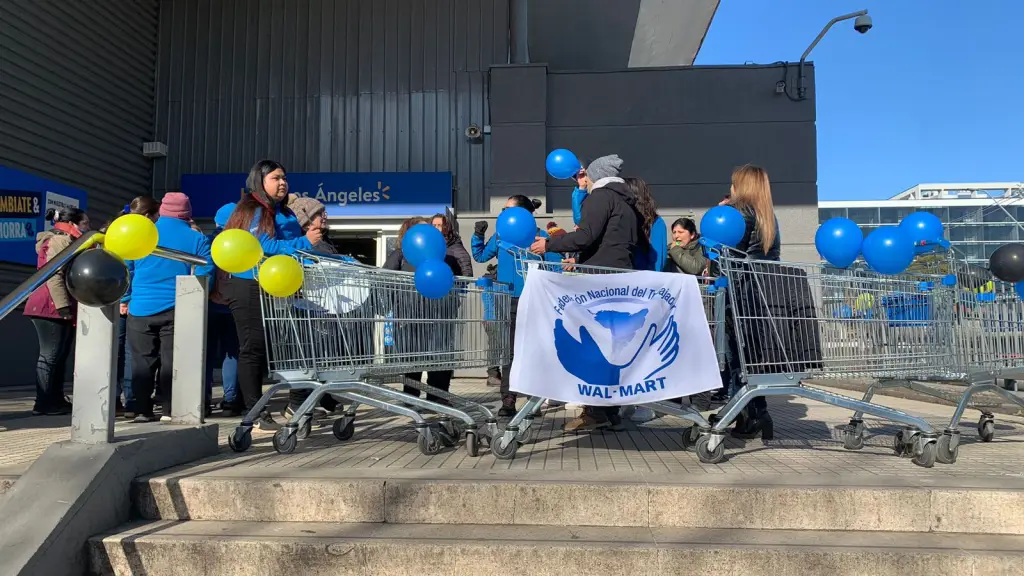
[933,93]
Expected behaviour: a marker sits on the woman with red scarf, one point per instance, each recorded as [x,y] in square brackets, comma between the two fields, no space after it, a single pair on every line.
[263,212]
[52,310]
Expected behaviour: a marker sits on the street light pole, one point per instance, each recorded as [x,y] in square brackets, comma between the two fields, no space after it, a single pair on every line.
[801,90]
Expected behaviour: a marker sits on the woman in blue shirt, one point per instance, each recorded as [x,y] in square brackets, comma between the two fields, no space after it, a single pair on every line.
[263,212]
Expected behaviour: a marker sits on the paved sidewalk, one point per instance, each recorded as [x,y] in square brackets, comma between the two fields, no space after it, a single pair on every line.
[807,443]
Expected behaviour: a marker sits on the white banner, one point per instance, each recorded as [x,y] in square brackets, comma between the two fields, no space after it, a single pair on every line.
[612,339]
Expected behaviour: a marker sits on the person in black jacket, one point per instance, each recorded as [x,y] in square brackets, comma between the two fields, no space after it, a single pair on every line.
[751,194]
[610,229]
[417,338]
[456,256]
[610,234]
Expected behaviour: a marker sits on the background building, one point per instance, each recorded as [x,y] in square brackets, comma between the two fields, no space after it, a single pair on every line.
[979,217]
[391,108]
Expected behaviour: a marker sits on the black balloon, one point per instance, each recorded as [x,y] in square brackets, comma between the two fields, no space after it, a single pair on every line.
[1007,263]
[97,278]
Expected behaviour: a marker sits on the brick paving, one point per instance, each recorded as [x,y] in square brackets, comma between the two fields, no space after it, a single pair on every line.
[808,441]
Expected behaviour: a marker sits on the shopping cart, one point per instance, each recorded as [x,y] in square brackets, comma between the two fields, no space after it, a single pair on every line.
[353,330]
[985,342]
[794,322]
[518,430]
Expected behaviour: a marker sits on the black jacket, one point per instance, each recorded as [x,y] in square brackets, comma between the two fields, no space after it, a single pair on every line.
[458,258]
[609,231]
[751,241]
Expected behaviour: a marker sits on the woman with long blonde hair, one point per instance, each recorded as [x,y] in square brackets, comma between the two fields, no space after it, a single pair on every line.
[751,194]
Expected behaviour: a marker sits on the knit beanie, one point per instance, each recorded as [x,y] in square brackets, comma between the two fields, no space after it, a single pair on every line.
[176,205]
[604,167]
[305,208]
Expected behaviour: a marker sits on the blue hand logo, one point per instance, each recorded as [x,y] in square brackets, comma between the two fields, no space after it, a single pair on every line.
[585,360]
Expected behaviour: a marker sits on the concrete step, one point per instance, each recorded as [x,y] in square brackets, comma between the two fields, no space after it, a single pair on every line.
[453,497]
[166,548]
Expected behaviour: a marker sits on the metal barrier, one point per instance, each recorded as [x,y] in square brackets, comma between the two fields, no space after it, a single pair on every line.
[95,382]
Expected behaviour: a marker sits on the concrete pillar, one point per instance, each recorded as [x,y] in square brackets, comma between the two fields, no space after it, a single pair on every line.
[95,382]
[188,403]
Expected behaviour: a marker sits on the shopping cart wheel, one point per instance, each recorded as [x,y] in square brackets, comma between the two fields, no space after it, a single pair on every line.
[305,429]
[709,456]
[472,444]
[285,441]
[986,429]
[429,447]
[241,439]
[344,428]
[852,440]
[943,452]
[926,459]
[506,453]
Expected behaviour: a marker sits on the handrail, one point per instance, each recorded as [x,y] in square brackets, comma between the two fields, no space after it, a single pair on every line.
[87,240]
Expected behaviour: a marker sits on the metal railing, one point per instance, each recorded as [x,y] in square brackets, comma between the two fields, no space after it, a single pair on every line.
[95,387]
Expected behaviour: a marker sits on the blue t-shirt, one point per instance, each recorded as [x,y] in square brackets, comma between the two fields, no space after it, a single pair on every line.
[154,286]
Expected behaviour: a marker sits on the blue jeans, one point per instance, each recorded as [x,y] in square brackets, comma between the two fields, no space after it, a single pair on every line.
[222,350]
[124,368]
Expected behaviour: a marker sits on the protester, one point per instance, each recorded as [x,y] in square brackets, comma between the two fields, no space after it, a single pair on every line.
[610,234]
[511,276]
[52,310]
[411,337]
[222,341]
[493,372]
[310,212]
[151,300]
[262,212]
[653,225]
[751,194]
[579,194]
[456,255]
[686,253]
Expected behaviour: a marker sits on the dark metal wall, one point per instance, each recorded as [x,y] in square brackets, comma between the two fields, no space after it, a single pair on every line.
[582,34]
[327,85]
[682,129]
[76,94]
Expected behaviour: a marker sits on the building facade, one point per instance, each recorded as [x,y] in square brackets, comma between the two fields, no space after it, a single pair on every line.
[979,217]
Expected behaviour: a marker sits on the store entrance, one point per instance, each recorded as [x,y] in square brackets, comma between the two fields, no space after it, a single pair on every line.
[361,246]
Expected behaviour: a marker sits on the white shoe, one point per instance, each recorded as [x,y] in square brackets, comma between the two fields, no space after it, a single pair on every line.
[165,419]
[642,414]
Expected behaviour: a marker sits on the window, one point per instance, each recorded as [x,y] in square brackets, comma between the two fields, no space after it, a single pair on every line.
[1001,234]
[965,234]
[959,214]
[864,215]
[829,213]
[996,213]
[972,251]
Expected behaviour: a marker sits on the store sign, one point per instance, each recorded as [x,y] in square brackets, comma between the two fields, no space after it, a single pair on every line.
[343,193]
[24,200]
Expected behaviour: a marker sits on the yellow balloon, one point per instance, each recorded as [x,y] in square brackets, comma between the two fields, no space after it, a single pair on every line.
[235,251]
[132,237]
[281,276]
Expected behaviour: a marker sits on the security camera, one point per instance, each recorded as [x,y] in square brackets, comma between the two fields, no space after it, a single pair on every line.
[862,24]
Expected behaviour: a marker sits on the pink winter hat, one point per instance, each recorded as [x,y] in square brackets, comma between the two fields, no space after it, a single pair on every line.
[176,205]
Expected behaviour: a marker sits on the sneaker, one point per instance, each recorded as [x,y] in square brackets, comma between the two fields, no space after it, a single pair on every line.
[129,415]
[266,423]
[494,381]
[615,423]
[508,407]
[165,419]
[642,414]
[144,418]
[585,423]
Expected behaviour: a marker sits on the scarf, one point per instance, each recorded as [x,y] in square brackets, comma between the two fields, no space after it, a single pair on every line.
[67,228]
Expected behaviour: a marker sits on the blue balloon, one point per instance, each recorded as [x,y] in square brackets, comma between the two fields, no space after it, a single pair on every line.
[838,240]
[423,242]
[562,164]
[723,225]
[888,250]
[922,227]
[517,226]
[434,279]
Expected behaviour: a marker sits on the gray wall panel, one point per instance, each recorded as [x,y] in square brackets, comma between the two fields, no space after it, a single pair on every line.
[328,85]
[76,94]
